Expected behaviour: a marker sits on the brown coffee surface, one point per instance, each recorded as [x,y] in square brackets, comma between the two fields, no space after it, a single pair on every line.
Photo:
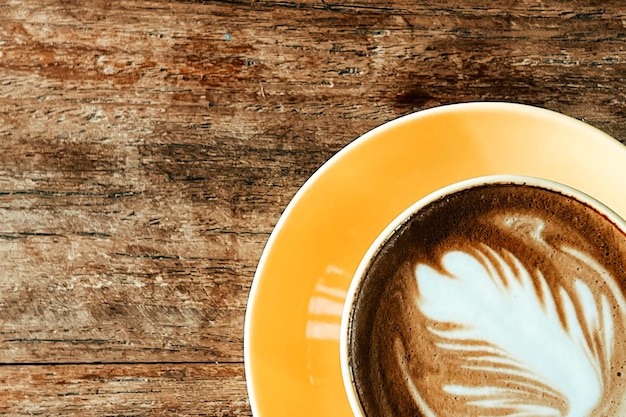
[500,300]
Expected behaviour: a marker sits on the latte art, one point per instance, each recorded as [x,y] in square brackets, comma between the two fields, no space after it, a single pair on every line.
[492,294]
[500,301]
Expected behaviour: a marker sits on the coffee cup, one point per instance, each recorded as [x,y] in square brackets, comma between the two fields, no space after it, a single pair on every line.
[495,296]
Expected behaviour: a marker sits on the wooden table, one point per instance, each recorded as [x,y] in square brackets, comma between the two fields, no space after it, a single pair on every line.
[148,148]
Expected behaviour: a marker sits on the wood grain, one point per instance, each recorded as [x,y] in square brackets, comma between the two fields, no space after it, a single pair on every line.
[137,390]
[148,148]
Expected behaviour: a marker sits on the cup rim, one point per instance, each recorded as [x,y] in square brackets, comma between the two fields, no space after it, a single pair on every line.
[402,218]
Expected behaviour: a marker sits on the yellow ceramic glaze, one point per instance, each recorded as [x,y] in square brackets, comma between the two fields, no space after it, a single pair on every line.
[291,339]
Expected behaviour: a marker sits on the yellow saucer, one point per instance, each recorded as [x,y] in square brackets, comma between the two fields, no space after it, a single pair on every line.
[291,341]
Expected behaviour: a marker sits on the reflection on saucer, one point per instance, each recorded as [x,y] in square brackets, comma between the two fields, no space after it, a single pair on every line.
[326,305]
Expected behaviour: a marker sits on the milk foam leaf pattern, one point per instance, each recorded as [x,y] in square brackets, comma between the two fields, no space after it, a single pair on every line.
[505,322]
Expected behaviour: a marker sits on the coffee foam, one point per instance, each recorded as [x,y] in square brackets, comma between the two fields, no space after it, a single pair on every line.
[500,300]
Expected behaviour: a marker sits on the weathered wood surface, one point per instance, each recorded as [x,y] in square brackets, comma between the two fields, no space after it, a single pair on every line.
[97,390]
[148,148]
